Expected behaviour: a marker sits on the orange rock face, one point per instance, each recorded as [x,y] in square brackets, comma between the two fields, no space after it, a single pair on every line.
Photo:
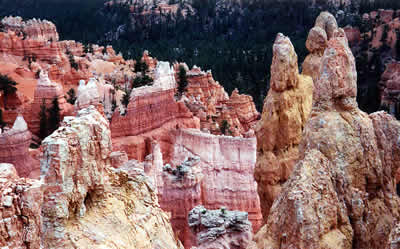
[286,110]
[14,148]
[342,191]
[219,174]
[208,100]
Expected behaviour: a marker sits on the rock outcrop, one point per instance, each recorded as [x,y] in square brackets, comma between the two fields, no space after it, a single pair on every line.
[31,29]
[342,191]
[208,100]
[390,88]
[220,228]
[220,174]
[279,132]
[20,219]
[316,43]
[45,92]
[151,113]
[14,148]
[87,203]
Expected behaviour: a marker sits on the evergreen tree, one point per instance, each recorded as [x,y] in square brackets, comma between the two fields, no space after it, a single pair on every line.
[182,83]
[7,86]
[126,97]
[71,96]
[398,45]
[224,127]
[54,116]
[2,123]
[43,130]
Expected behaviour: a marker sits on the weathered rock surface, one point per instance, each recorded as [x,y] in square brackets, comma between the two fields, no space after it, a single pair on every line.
[390,88]
[45,92]
[86,203]
[151,113]
[14,148]
[20,219]
[220,174]
[317,39]
[208,100]
[342,192]
[31,29]
[279,132]
[220,228]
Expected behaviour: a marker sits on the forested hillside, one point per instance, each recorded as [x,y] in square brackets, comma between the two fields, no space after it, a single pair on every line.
[233,40]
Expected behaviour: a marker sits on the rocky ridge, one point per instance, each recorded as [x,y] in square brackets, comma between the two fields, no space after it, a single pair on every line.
[345,176]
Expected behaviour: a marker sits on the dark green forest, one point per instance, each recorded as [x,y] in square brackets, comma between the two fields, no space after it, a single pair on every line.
[233,40]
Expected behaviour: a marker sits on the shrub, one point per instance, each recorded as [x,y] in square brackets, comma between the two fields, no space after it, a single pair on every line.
[71,96]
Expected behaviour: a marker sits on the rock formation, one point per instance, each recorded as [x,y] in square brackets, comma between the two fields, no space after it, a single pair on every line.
[20,219]
[220,228]
[317,39]
[208,100]
[32,29]
[45,92]
[14,148]
[342,191]
[286,110]
[220,174]
[151,113]
[87,203]
[390,88]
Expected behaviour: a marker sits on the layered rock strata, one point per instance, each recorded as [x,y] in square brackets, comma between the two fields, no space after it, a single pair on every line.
[279,132]
[220,174]
[220,228]
[151,113]
[342,192]
[14,148]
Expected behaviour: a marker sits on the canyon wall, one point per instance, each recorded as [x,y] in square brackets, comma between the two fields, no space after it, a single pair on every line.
[220,176]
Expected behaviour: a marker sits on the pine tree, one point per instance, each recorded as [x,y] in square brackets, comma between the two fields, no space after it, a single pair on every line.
[182,83]
[43,131]
[2,123]
[7,86]
[54,116]
[126,97]
[71,96]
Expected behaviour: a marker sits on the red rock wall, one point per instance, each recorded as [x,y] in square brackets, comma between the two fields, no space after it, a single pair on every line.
[150,115]
[227,164]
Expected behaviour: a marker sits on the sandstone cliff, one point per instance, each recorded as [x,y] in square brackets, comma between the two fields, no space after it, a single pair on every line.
[342,191]
[286,110]
[219,174]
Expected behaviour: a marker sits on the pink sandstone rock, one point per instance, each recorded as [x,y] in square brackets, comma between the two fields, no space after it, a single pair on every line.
[342,191]
[227,164]
[14,148]
[20,210]
[151,113]
[45,92]
[279,132]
